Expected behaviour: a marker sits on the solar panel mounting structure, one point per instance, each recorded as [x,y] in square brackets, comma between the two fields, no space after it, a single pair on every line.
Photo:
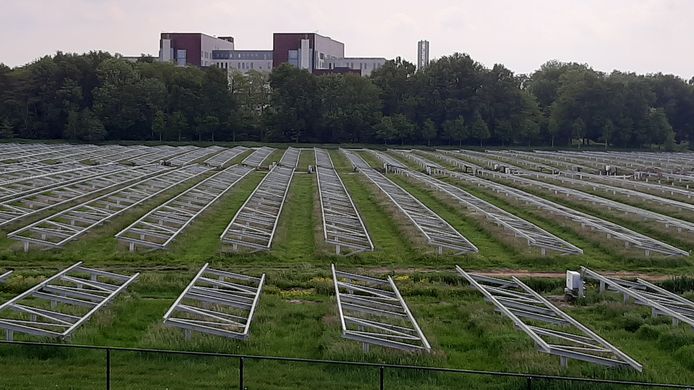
[217,302]
[4,276]
[60,304]
[22,207]
[62,227]
[342,224]
[254,224]
[160,227]
[225,157]
[159,154]
[373,312]
[27,184]
[438,233]
[625,182]
[553,331]
[644,215]
[629,237]
[194,155]
[659,300]
[259,155]
[534,235]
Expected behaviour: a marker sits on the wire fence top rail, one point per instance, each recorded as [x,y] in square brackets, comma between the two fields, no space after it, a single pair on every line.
[528,376]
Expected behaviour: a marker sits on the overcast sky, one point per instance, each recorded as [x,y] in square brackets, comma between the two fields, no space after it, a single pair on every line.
[644,36]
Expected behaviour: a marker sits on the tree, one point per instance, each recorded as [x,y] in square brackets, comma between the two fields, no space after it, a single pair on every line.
[403,127]
[607,132]
[455,130]
[92,130]
[6,129]
[578,130]
[428,131]
[479,129]
[295,105]
[159,124]
[178,124]
[385,130]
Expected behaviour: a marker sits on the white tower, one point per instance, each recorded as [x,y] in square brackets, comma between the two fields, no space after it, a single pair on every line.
[422,54]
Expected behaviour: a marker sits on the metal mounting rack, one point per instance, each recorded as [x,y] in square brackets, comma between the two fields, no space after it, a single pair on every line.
[217,302]
[60,304]
[435,229]
[553,331]
[342,224]
[534,235]
[254,225]
[160,227]
[4,276]
[613,231]
[661,301]
[62,227]
[373,312]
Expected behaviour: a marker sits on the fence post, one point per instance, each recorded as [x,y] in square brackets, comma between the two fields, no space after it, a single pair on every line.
[529,382]
[108,369]
[241,373]
[381,369]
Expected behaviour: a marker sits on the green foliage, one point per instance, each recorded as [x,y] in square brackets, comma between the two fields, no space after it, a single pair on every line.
[455,129]
[385,130]
[557,104]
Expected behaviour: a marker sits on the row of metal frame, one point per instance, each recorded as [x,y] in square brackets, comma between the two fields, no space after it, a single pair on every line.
[371,310]
[254,225]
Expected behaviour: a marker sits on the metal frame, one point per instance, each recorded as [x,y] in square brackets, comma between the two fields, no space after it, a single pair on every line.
[223,158]
[574,341]
[644,215]
[159,227]
[435,229]
[4,276]
[23,185]
[217,302]
[37,311]
[254,224]
[613,231]
[22,207]
[534,235]
[160,154]
[342,224]
[258,156]
[290,158]
[194,155]
[373,312]
[62,227]
[661,301]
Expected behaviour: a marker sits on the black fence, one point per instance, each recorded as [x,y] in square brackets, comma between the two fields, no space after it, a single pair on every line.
[529,381]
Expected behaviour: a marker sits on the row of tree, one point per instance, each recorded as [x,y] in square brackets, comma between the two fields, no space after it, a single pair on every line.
[455,100]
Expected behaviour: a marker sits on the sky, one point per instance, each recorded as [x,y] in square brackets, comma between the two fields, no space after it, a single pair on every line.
[642,36]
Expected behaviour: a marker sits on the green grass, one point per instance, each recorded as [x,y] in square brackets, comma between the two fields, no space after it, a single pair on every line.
[297,314]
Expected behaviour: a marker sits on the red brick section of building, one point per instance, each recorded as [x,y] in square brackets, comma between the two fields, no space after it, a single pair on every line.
[191,42]
[283,42]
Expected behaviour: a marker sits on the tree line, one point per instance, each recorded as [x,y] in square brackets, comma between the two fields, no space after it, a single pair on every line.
[455,100]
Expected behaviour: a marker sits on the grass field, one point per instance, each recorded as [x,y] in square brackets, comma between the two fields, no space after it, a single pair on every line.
[297,316]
